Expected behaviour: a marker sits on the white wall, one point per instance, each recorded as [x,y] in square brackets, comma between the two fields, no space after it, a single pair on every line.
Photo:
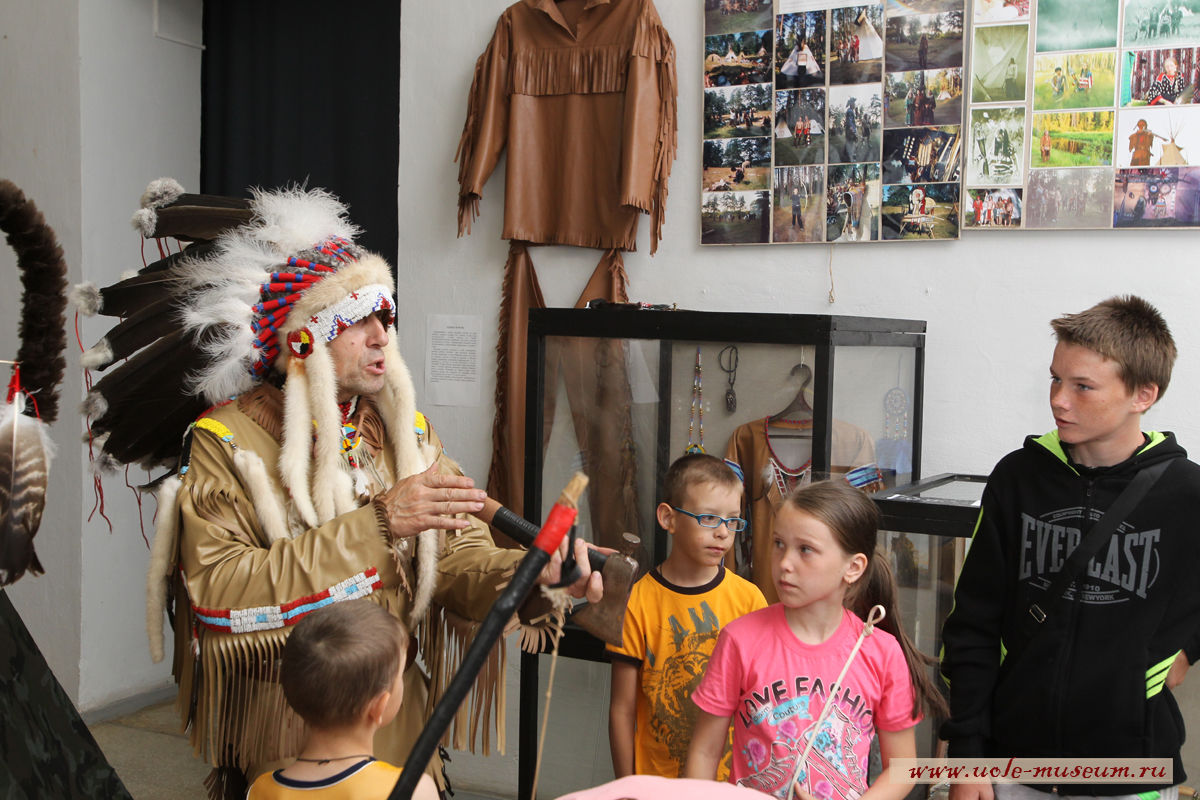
[92,107]
[39,152]
[140,103]
[987,298]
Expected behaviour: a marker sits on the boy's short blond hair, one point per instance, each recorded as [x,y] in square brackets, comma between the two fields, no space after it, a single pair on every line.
[338,659]
[694,468]
[1129,331]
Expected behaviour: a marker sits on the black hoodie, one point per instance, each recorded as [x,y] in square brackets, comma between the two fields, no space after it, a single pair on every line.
[1091,685]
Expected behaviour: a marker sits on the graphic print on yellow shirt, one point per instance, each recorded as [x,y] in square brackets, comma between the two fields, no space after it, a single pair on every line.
[670,632]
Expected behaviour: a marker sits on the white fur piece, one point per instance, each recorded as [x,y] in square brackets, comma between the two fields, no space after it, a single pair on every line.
[162,557]
[161,192]
[295,219]
[267,502]
[327,452]
[400,412]
[99,355]
[144,221]
[428,553]
[94,405]
[129,273]
[87,298]
[294,453]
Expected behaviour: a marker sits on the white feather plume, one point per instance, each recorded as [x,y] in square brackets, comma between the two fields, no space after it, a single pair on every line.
[295,219]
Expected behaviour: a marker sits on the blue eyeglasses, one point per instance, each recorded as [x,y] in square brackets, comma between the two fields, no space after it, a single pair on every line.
[734,524]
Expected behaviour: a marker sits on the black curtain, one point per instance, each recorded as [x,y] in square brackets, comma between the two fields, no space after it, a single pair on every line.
[305,92]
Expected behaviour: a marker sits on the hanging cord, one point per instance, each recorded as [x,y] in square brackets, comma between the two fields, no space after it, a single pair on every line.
[696,414]
[832,294]
[561,601]
[877,614]
[97,482]
[727,360]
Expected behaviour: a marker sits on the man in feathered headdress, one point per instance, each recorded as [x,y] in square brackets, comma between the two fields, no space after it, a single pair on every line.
[310,479]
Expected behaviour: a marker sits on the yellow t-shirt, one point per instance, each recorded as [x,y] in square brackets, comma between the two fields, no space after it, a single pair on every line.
[366,780]
[670,632]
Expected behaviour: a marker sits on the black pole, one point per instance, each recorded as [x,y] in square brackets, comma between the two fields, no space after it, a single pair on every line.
[558,522]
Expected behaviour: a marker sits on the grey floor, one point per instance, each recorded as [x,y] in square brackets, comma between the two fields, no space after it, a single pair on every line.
[155,761]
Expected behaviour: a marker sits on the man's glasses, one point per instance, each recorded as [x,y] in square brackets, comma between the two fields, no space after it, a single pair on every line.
[733,524]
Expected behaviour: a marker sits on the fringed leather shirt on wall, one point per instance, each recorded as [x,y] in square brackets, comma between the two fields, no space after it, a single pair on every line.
[588,115]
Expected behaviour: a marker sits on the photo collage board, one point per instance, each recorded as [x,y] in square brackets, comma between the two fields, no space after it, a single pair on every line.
[832,121]
[1083,114]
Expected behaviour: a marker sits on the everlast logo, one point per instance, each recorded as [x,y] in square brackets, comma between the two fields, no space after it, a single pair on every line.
[1129,562]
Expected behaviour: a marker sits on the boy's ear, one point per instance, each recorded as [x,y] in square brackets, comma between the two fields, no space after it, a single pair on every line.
[666,517]
[375,708]
[1145,396]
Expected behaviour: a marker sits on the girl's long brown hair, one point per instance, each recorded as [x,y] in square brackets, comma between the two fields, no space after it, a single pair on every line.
[854,521]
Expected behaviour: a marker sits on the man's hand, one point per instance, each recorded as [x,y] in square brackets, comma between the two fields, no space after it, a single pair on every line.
[972,791]
[588,584]
[430,500]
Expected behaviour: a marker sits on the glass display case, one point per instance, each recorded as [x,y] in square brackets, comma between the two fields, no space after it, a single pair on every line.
[621,392]
[924,529]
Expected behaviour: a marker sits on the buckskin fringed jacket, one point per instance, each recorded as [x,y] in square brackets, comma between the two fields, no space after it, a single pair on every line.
[587,115]
[245,575]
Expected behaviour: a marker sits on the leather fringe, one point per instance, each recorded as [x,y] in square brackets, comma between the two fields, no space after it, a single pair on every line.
[651,41]
[601,69]
[444,641]
[226,783]
[519,293]
[239,700]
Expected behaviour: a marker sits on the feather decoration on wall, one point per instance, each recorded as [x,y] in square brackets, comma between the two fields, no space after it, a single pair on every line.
[25,453]
[31,404]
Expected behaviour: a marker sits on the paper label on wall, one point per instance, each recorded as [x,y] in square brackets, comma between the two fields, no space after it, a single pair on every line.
[453,360]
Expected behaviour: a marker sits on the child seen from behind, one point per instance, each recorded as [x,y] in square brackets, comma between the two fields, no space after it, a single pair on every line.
[342,672]
[675,613]
[771,672]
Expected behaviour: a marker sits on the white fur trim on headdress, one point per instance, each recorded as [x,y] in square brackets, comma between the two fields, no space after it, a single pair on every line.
[162,556]
[295,459]
[98,355]
[332,490]
[87,298]
[144,221]
[161,192]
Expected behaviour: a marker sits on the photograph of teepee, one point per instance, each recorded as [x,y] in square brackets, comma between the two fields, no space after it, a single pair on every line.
[1158,137]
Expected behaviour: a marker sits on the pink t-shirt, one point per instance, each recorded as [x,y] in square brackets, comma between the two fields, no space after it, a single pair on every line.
[774,687]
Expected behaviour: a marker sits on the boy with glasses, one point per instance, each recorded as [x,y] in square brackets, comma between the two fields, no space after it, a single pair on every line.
[675,613]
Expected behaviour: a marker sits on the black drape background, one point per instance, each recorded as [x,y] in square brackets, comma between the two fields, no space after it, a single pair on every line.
[305,91]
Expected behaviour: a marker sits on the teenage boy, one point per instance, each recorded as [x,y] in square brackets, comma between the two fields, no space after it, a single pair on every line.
[342,672]
[675,613]
[1093,677]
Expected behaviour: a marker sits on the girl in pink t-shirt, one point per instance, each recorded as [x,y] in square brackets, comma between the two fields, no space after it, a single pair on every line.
[771,671]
